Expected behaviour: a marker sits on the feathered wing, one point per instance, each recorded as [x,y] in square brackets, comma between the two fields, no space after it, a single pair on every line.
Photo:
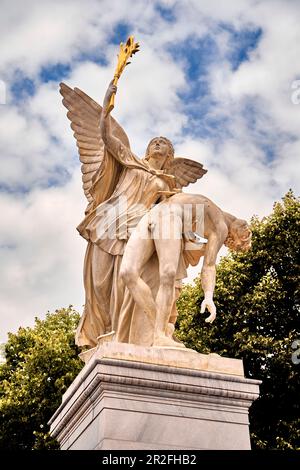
[186,171]
[84,114]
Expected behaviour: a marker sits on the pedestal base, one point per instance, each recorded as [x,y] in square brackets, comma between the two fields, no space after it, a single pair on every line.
[131,397]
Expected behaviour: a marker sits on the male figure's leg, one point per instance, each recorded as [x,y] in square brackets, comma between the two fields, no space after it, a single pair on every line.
[168,246]
[138,251]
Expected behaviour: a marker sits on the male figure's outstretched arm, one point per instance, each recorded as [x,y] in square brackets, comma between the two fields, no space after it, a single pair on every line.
[216,239]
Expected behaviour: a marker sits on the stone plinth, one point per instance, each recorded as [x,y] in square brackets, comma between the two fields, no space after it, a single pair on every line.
[131,397]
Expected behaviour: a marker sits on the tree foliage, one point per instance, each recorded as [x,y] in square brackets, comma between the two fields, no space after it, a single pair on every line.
[41,362]
[257,299]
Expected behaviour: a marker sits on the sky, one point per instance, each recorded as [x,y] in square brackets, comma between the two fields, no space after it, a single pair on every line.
[220,79]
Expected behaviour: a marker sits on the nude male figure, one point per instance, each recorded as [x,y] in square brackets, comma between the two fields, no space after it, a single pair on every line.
[219,228]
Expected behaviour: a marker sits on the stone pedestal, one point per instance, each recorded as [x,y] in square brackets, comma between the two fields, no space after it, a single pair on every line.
[131,397]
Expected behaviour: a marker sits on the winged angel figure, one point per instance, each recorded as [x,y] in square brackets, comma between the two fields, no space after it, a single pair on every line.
[120,188]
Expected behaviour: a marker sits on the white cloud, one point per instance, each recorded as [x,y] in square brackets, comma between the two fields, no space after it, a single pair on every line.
[41,253]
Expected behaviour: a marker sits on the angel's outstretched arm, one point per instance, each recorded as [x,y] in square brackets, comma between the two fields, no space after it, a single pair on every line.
[112,143]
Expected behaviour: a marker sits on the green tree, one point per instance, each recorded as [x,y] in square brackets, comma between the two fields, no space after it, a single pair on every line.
[257,299]
[41,362]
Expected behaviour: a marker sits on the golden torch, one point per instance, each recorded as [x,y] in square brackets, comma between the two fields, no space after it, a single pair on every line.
[126,52]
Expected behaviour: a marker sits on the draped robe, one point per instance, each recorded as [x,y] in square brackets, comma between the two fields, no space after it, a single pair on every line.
[124,190]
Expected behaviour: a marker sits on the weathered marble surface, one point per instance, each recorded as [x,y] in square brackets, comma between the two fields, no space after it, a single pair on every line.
[168,356]
[130,397]
[142,230]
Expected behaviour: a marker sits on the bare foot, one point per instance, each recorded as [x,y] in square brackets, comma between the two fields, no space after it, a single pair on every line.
[165,341]
[170,334]
[170,330]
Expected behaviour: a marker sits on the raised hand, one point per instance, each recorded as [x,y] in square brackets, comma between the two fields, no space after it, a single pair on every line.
[111,90]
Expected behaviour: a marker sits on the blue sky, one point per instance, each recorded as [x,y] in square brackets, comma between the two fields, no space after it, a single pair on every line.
[214,77]
[197,54]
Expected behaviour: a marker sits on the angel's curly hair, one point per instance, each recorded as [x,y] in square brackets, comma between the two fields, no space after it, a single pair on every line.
[170,145]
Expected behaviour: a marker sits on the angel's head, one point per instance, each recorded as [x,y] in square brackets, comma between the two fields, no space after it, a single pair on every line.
[239,236]
[159,152]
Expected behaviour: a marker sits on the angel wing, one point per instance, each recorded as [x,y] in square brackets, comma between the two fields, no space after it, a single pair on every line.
[186,171]
[84,114]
